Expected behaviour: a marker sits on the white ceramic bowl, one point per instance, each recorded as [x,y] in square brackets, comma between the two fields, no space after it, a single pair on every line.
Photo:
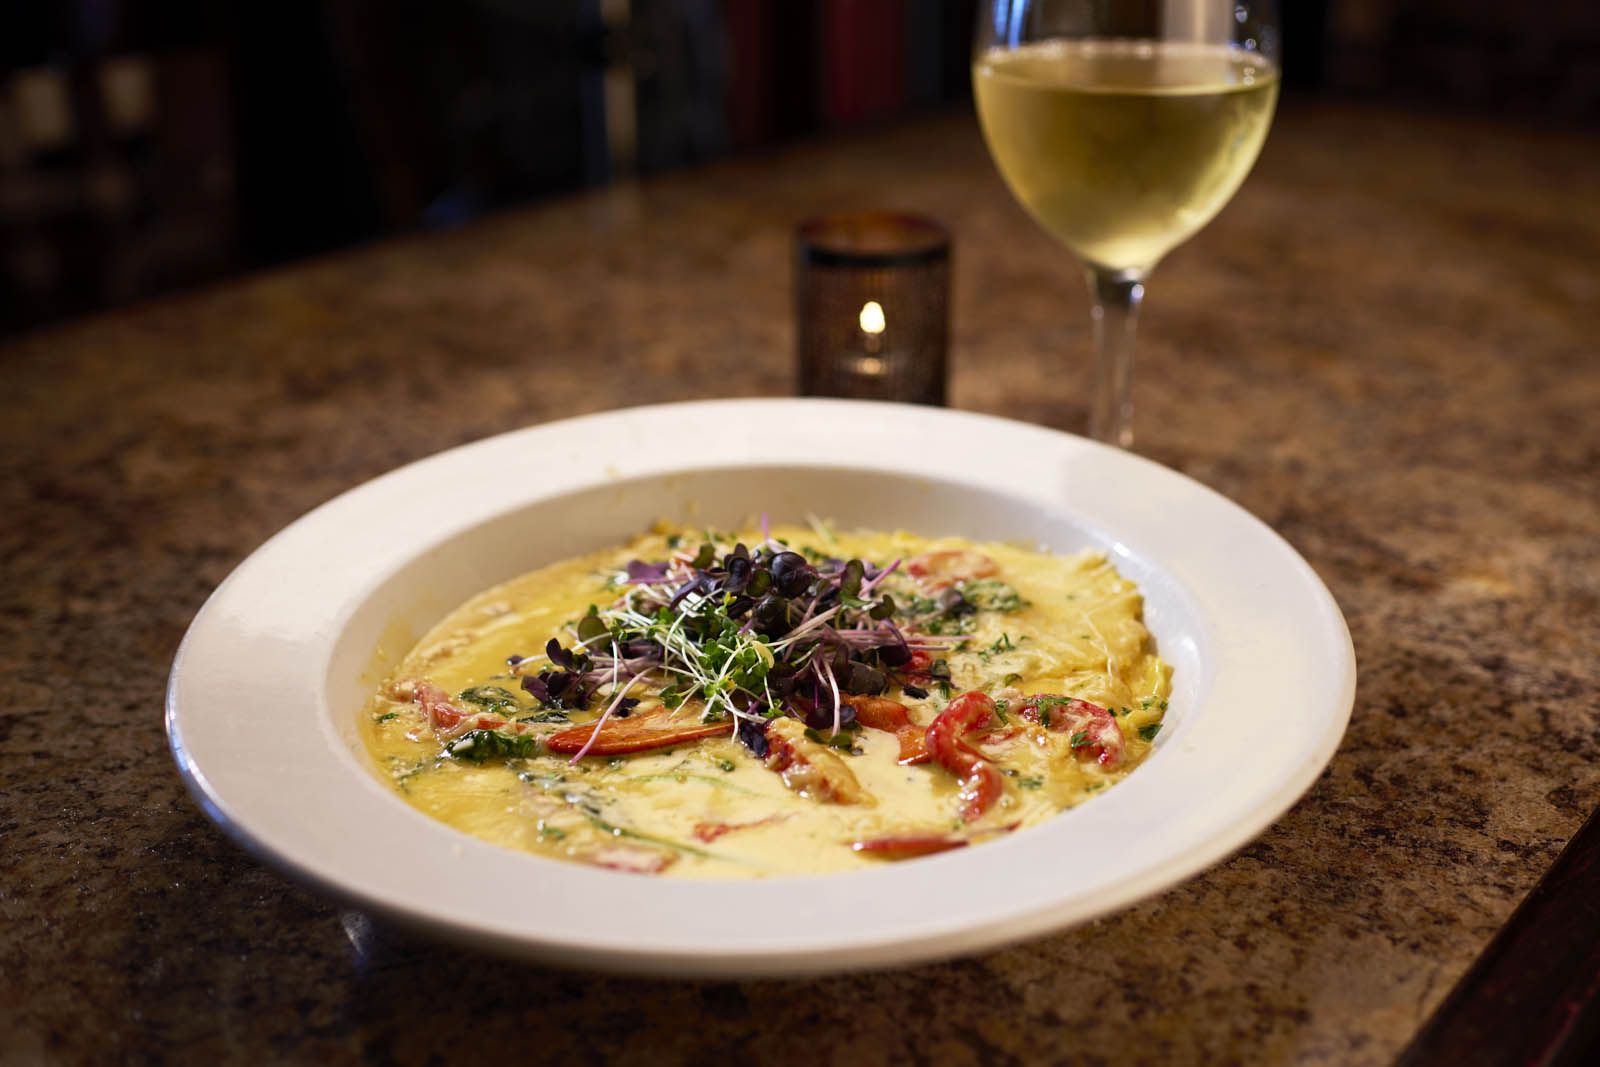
[265,690]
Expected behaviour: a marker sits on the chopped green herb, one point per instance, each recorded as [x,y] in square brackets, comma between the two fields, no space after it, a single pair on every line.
[1032,781]
[402,773]
[991,594]
[386,716]
[1001,644]
[1148,731]
[545,716]
[1080,739]
[1011,679]
[491,698]
[725,764]
[481,745]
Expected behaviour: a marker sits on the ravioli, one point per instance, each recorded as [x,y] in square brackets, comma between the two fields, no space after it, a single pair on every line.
[755,703]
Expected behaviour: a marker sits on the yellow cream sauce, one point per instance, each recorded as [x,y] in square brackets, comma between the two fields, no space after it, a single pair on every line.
[1077,633]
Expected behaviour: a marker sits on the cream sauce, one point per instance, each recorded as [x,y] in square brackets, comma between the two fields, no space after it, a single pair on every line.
[710,808]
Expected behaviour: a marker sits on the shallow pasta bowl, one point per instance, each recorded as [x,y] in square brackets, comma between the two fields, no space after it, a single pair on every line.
[264,695]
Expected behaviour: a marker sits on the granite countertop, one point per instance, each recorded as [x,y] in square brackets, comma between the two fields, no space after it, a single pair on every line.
[1386,348]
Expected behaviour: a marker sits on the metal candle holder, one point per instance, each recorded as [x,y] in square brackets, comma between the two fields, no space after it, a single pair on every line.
[872,299]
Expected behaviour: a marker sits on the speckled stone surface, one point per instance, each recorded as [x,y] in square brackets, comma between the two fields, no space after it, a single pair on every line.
[1388,348]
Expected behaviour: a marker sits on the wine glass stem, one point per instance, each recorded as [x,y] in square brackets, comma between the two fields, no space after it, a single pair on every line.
[1117,295]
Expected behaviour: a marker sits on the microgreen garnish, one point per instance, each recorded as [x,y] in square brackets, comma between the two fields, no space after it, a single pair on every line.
[743,633]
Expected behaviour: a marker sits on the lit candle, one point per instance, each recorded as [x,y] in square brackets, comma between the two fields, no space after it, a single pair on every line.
[872,327]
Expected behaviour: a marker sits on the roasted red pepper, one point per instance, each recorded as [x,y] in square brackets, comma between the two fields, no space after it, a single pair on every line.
[435,704]
[981,784]
[656,727]
[711,829]
[1094,730]
[907,846]
[891,716]
[944,568]
[910,845]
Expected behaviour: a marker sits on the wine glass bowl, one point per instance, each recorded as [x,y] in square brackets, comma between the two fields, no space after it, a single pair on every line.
[1123,128]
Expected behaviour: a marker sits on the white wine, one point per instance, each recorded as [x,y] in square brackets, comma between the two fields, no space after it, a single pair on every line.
[1123,149]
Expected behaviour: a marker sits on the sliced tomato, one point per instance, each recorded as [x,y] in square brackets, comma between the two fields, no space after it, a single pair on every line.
[656,727]
[891,716]
[1093,729]
[946,567]
[981,784]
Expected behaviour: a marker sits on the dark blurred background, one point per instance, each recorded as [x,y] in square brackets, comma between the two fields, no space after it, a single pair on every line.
[151,144]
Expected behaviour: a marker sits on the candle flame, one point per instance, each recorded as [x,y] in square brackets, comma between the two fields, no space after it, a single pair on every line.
[872,321]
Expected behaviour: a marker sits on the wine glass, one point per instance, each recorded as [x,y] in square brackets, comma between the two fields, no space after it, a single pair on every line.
[1123,126]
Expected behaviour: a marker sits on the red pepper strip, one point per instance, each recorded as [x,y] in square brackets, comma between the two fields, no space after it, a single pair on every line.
[981,784]
[710,830]
[942,569]
[628,858]
[907,846]
[435,704]
[655,727]
[1000,737]
[1102,739]
[891,716]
